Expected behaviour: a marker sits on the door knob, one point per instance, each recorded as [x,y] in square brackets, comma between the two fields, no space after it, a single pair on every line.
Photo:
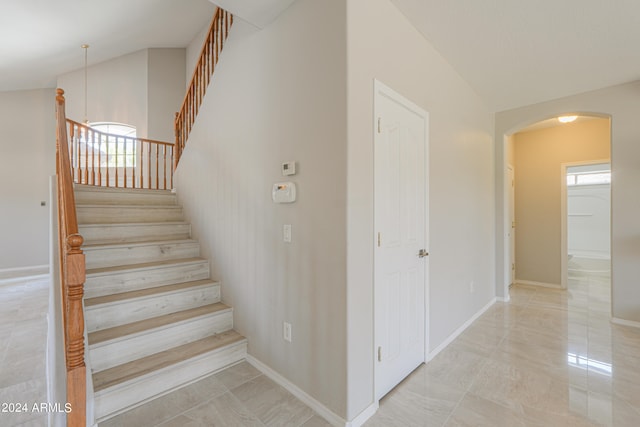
[423,253]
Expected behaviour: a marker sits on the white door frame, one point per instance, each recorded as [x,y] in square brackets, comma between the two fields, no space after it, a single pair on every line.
[510,242]
[564,231]
[380,89]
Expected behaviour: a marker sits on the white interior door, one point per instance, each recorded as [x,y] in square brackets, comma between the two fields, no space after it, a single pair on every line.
[401,260]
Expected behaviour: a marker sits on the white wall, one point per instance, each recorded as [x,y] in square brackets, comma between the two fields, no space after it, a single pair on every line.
[165,91]
[143,89]
[621,102]
[116,91]
[28,141]
[278,95]
[193,52]
[383,45]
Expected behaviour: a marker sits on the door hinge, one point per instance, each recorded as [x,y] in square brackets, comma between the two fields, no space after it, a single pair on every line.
[513,224]
[379,354]
[513,267]
[379,239]
[379,124]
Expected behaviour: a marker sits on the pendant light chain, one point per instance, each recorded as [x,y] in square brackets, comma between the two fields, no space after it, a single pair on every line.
[86,48]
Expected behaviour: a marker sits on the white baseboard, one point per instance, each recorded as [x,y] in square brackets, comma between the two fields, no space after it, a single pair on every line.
[503,299]
[364,416]
[12,275]
[461,329]
[542,284]
[322,410]
[624,322]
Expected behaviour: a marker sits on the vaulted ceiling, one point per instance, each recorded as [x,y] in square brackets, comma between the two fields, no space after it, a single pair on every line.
[516,52]
[41,39]
[511,52]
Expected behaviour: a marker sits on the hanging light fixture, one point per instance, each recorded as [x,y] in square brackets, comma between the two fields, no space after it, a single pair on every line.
[86,48]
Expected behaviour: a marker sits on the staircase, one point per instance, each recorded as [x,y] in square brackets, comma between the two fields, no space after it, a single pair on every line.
[153,314]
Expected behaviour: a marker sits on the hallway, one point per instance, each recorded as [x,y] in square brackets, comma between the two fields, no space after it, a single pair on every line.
[547,358]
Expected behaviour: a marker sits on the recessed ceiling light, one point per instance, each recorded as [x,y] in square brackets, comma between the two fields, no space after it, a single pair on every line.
[567,119]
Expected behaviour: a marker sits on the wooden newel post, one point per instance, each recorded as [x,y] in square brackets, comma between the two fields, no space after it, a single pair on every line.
[74,267]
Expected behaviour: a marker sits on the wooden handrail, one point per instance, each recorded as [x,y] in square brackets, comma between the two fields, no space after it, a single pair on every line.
[109,160]
[72,274]
[209,55]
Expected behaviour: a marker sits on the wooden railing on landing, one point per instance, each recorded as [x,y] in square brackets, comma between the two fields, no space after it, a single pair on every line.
[107,160]
[72,275]
[209,55]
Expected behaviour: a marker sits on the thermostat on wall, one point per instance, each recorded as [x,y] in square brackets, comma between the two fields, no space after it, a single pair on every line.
[289,168]
[284,192]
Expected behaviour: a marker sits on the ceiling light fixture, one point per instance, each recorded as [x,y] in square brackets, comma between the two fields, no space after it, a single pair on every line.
[86,48]
[567,119]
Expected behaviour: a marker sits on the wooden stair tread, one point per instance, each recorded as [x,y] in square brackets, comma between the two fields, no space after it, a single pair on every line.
[89,302]
[127,206]
[144,265]
[137,368]
[138,244]
[102,189]
[156,322]
[132,224]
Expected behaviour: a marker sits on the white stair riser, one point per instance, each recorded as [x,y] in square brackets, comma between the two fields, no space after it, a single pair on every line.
[98,257]
[117,399]
[108,354]
[108,283]
[122,312]
[121,233]
[125,214]
[114,197]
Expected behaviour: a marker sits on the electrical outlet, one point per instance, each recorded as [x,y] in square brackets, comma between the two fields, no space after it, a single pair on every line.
[472,287]
[286,331]
[286,233]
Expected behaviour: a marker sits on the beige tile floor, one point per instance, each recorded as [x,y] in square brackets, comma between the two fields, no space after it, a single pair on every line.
[237,396]
[23,332]
[546,358]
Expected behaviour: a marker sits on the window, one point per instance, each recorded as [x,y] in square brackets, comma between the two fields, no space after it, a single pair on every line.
[589,178]
[119,147]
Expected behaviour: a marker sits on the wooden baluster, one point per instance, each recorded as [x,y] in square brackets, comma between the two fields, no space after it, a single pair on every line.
[72,138]
[172,160]
[176,129]
[79,154]
[214,35]
[226,26]
[157,168]
[149,166]
[93,158]
[140,159]
[108,161]
[117,182]
[208,61]
[99,161]
[86,156]
[125,161]
[164,162]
